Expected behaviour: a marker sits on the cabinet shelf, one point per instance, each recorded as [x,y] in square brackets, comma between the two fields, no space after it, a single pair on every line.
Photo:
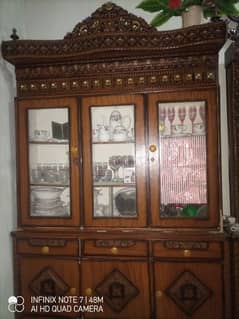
[115,142]
[112,184]
[181,136]
[49,142]
[50,184]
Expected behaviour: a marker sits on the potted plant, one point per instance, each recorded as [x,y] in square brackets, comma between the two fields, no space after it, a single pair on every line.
[168,8]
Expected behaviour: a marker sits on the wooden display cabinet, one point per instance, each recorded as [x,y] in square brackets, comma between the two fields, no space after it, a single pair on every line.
[119,170]
[49,164]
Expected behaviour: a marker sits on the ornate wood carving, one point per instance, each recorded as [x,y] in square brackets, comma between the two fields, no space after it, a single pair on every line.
[117,290]
[175,244]
[110,19]
[113,50]
[47,242]
[164,43]
[188,292]
[48,283]
[119,243]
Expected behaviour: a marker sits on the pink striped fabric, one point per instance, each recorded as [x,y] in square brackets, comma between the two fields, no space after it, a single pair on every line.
[183,170]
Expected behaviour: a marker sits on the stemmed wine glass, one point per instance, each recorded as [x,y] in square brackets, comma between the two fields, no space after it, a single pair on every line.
[202,112]
[162,117]
[182,114]
[192,114]
[99,170]
[128,161]
[171,116]
[115,162]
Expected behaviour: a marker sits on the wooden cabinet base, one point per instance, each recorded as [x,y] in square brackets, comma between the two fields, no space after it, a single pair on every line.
[118,275]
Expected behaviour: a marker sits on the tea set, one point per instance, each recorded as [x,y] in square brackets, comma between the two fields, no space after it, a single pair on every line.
[117,130]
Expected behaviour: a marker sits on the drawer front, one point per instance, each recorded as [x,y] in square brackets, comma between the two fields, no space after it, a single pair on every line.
[121,247]
[187,249]
[48,246]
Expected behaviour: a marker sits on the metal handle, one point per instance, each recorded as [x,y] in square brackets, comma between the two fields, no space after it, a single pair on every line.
[187,253]
[114,250]
[45,250]
[88,291]
[152,148]
[74,150]
[159,294]
[73,291]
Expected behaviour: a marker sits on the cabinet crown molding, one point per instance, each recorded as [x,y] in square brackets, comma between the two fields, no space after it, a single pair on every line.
[112,32]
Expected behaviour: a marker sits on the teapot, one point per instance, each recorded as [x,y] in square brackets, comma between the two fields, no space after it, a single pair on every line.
[119,125]
[103,133]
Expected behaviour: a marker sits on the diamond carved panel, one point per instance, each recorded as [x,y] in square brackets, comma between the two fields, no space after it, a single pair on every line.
[48,283]
[117,290]
[188,292]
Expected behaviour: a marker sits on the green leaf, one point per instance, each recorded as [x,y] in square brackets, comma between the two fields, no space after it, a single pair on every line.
[208,12]
[188,3]
[225,8]
[153,5]
[161,18]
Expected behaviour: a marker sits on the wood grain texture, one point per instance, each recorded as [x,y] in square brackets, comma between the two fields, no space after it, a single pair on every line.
[213,164]
[232,75]
[23,172]
[96,271]
[208,274]
[66,271]
[235,277]
[137,102]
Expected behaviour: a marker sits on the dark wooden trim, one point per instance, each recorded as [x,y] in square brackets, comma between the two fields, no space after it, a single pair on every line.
[232,76]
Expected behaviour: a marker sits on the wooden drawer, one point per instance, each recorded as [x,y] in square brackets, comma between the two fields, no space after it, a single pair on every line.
[121,247]
[187,249]
[48,246]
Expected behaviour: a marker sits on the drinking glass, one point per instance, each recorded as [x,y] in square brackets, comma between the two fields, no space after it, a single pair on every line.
[115,162]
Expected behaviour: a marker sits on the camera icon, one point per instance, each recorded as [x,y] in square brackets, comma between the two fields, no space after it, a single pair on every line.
[16,304]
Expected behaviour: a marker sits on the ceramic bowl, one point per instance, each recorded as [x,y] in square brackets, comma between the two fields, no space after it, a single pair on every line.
[46,193]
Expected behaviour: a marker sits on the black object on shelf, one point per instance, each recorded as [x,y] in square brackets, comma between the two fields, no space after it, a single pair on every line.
[60,131]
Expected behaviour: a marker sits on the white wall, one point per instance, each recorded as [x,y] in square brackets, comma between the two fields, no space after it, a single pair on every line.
[52,19]
[46,19]
[11,15]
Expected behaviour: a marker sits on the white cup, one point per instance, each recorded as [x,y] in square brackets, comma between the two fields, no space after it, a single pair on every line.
[198,128]
[178,129]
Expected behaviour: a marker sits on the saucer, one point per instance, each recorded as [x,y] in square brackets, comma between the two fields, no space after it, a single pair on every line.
[178,134]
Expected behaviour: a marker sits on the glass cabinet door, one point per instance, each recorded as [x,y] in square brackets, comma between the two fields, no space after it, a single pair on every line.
[114,161]
[184,159]
[49,145]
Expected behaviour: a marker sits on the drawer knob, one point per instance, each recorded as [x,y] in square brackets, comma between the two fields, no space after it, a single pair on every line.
[73,291]
[152,148]
[74,150]
[159,294]
[187,253]
[88,292]
[45,250]
[114,250]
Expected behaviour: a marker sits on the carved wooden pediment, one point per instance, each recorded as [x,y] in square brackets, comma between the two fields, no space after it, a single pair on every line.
[112,32]
[110,18]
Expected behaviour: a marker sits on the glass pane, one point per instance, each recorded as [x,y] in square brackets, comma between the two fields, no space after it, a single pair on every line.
[48,136]
[183,159]
[113,161]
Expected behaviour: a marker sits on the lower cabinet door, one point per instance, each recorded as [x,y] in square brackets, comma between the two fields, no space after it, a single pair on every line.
[48,286]
[188,290]
[120,287]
